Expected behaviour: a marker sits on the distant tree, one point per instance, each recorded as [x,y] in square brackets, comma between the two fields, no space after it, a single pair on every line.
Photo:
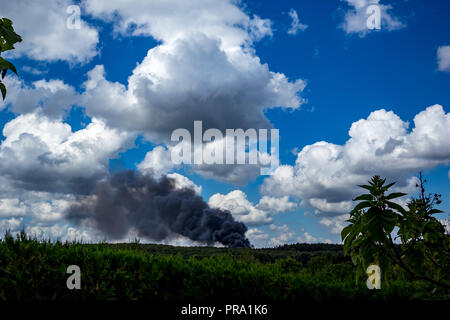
[7,40]
[424,252]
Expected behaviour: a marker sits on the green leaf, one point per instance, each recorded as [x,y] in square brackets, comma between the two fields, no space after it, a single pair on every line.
[395,206]
[395,195]
[390,221]
[346,231]
[350,242]
[3,89]
[5,64]
[370,188]
[385,188]
[361,205]
[7,35]
[434,211]
[367,197]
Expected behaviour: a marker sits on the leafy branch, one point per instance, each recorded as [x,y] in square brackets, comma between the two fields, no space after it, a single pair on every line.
[424,249]
[7,40]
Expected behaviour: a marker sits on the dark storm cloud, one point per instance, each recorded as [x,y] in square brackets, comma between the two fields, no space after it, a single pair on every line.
[156,210]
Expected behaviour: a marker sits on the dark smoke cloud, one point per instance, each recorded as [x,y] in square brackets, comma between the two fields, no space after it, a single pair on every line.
[157,210]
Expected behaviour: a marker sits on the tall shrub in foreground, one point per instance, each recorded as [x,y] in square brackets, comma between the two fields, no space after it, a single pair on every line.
[8,38]
[424,251]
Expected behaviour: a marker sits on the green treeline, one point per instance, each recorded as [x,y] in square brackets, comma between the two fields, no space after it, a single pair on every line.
[32,269]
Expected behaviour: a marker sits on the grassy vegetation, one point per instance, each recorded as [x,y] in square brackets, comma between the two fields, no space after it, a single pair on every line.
[31,269]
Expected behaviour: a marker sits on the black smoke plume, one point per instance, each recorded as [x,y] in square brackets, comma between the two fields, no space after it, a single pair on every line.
[156,210]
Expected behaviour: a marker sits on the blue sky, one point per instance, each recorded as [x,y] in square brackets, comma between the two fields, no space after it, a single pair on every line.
[349,73]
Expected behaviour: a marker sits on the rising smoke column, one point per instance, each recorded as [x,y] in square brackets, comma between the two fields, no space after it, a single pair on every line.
[157,210]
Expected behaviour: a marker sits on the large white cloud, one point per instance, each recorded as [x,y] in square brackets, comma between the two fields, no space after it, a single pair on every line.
[44,165]
[46,37]
[355,19]
[182,182]
[243,210]
[325,175]
[237,174]
[12,207]
[191,79]
[40,214]
[275,205]
[282,234]
[10,225]
[170,20]
[53,97]
[39,153]
[335,224]
[204,69]
[157,162]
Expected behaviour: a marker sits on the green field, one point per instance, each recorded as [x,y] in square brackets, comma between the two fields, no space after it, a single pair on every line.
[32,269]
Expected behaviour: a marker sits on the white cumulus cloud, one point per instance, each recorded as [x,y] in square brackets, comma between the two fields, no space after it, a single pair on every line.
[157,162]
[243,210]
[326,175]
[182,182]
[240,207]
[205,68]
[53,97]
[46,37]
[42,154]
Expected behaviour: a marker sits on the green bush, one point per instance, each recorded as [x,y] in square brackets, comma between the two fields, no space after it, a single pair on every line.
[32,269]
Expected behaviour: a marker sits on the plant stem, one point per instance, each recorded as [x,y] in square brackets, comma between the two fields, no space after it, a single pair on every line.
[412,273]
